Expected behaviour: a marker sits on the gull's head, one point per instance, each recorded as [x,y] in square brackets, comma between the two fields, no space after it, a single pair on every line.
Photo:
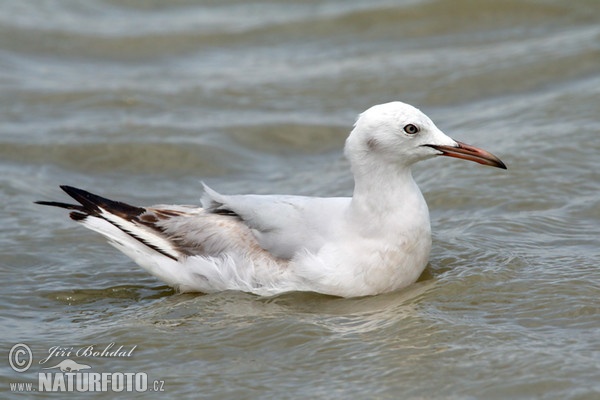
[397,133]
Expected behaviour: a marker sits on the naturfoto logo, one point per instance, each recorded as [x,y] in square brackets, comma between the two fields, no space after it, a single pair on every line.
[69,370]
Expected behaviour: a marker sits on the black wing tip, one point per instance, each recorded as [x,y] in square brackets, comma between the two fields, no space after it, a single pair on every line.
[78,216]
[74,192]
[52,203]
[83,209]
[59,205]
[88,200]
[92,204]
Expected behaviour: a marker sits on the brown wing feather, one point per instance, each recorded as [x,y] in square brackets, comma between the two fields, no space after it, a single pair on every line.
[190,230]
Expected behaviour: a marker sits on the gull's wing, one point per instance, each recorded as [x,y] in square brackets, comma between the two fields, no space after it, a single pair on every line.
[133,224]
[257,226]
[185,246]
[281,224]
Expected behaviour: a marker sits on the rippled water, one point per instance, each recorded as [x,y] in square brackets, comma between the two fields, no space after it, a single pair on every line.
[140,100]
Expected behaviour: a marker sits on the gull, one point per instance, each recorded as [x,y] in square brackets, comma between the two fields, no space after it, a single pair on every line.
[374,242]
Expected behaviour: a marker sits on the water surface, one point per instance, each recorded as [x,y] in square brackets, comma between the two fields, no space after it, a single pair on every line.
[140,101]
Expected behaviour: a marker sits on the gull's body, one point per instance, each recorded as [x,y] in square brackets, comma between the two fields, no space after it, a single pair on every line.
[374,242]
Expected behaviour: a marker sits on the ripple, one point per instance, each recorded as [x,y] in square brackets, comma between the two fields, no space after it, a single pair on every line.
[147,97]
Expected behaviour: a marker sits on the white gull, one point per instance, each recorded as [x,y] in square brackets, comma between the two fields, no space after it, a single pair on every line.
[377,241]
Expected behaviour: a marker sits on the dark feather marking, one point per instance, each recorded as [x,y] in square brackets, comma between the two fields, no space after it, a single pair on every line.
[145,242]
[169,213]
[76,216]
[226,212]
[61,205]
[148,219]
[373,144]
[91,204]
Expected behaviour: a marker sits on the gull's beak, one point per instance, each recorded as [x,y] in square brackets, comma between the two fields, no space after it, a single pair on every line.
[471,153]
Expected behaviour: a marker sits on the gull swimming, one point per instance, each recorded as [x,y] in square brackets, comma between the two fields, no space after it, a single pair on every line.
[374,242]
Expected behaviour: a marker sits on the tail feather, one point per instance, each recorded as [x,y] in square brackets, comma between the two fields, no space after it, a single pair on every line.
[121,215]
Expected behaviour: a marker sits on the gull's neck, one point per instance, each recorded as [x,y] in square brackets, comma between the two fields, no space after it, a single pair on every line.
[386,195]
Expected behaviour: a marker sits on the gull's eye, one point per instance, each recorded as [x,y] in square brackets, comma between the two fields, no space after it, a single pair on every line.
[411,129]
